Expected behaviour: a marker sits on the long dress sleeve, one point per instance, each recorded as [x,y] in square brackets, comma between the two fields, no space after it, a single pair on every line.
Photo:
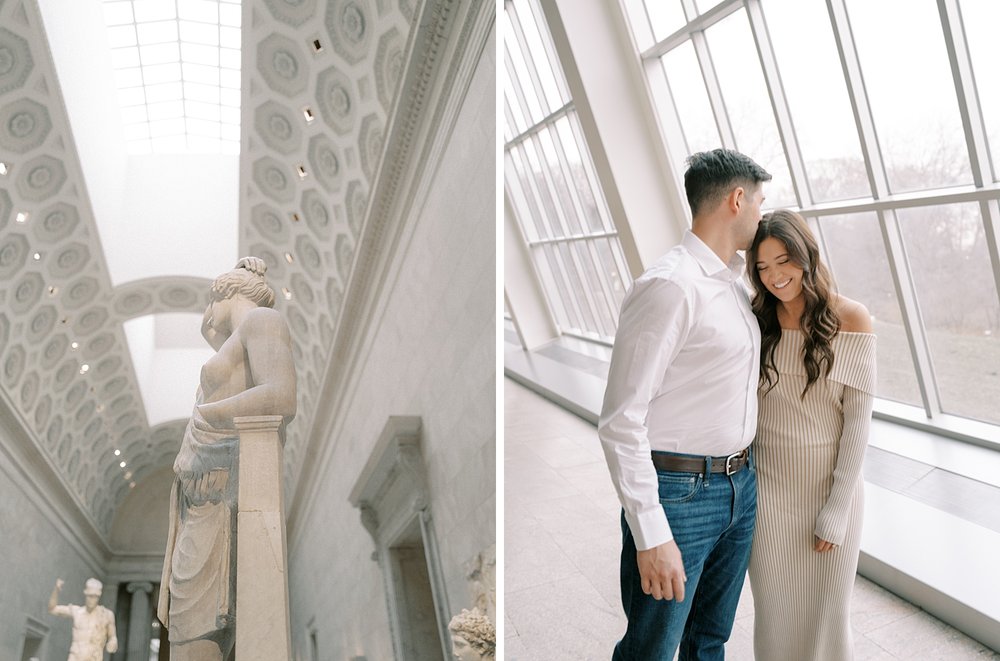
[854,367]
[831,524]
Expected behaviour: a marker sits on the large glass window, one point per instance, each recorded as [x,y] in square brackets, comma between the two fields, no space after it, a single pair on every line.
[912,94]
[980,18]
[864,122]
[946,246]
[552,186]
[745,94]
[856,255]
[824,124]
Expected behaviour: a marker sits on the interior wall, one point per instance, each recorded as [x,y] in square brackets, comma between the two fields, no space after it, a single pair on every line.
[432,354]
[140,524]
[36,551]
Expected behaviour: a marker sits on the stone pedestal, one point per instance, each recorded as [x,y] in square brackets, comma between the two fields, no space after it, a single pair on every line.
[262,624]
[140,622]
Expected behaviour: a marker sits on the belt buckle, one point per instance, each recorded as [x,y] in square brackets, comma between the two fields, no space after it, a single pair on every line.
[729,462]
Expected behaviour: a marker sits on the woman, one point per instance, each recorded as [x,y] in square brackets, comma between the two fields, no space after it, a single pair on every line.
[251,373]
[817,382]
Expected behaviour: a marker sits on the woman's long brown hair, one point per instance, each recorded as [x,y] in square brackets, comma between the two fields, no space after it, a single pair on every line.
[819,322]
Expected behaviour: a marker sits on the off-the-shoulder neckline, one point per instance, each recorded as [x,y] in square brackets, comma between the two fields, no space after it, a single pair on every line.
[799,330]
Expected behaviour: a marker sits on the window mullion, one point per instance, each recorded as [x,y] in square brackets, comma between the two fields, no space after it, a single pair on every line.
[887,218]
[965,90]
[779,104]
[714,90]
[529,61]
[584,226]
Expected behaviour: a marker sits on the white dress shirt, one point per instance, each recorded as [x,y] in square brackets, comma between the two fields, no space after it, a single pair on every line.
[683,376]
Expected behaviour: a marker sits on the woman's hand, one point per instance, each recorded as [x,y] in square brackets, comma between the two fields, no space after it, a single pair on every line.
[822,546]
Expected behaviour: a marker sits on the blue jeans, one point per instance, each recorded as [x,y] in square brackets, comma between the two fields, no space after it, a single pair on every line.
[712,517]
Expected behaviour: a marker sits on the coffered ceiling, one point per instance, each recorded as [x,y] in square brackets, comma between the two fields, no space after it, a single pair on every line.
[319,84]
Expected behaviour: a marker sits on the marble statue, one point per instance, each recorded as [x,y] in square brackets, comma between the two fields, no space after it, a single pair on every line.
[93,624]
[251,374]
[481,573]
[473,636]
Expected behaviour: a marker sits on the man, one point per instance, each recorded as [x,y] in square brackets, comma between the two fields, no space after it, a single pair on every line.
[93,625]
[680,411]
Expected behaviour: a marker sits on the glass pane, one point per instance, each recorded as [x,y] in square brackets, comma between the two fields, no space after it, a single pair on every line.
[824,123]
[687,87]
[116,13]
[911,93]
[574,274]
[596,219]
[857,258]
[551,183]
[550,216]
[520,75]
[542,58]
[155,10]
[960,311]
[704,5]
[517,177]
[121,36]
[980,18]
[154,33]
[557,175]
[570,316]
[198,10]
[595,291]
[202,33]
[665,17]
[742,81]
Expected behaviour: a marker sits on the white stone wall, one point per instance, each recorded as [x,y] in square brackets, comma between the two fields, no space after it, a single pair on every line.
[432,354]
[36,551]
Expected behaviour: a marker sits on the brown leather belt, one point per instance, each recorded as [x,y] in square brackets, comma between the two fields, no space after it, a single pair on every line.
[694,464]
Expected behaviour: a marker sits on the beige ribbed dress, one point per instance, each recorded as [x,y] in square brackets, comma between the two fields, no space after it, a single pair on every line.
[808,455]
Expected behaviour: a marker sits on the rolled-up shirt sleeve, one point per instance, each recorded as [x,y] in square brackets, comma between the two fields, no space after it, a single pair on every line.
[654,322]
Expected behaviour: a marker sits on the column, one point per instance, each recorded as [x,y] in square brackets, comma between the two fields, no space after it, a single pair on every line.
[262,625]
[139,622]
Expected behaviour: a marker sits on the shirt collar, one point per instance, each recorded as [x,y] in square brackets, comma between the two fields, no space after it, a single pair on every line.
[710,263]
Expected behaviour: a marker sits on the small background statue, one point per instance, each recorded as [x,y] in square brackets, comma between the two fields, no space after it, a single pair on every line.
[251,373]
[93,624]
[473,636]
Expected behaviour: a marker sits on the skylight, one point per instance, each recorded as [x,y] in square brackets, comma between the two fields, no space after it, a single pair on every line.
[177,69]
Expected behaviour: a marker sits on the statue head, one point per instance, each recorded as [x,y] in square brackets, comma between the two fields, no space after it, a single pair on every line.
[92,592]
[247,280]
[473,636]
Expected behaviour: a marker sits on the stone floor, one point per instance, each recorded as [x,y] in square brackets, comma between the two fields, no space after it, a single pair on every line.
[561,544]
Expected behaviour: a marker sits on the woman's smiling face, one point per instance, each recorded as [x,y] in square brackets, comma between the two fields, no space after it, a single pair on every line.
[781,276]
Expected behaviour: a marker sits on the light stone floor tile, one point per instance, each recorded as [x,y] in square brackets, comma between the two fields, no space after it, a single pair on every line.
[873,607]
[573,520]
[533,558]
[865,649]
[585,628]
[561,548]
[562,452]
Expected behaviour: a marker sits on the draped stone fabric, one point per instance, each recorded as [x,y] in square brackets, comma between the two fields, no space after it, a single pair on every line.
[197,594]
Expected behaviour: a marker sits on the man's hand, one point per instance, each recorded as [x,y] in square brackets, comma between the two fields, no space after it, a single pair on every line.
[59,584]
[662,571]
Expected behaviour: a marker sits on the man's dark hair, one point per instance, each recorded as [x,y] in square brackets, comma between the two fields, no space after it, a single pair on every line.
[711,175]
